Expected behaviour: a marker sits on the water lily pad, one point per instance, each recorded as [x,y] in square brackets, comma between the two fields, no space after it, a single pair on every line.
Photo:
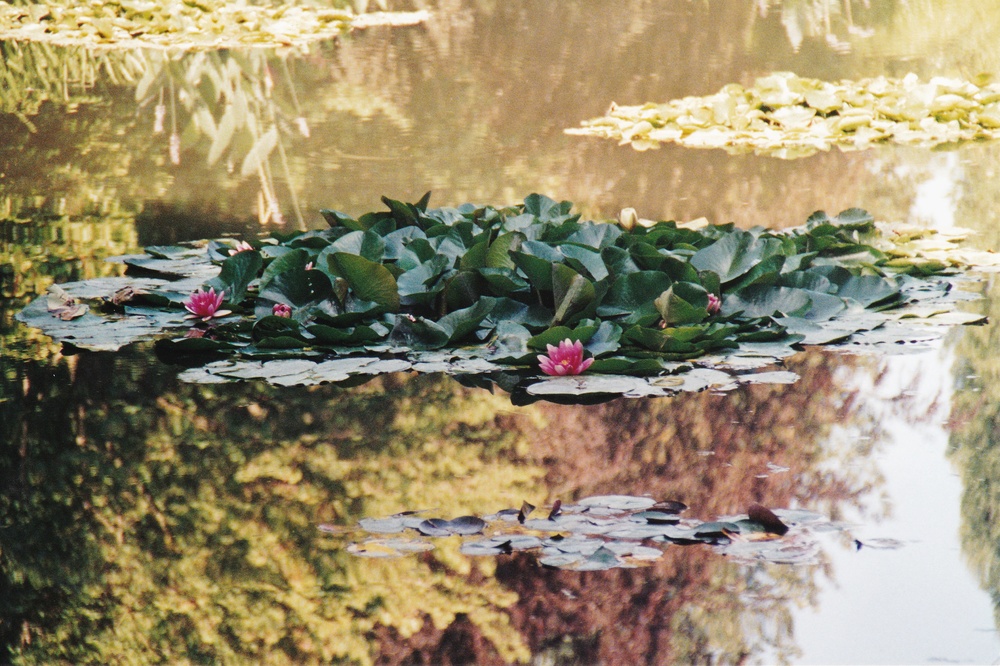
[388,547]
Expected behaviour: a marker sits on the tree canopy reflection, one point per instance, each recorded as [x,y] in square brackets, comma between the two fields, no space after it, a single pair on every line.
[180,521]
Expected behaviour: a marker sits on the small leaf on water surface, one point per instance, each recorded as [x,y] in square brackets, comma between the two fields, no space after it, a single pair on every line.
[618,502]
[60,304]
[525,511]
[388,547]
[556,509]
[463,525]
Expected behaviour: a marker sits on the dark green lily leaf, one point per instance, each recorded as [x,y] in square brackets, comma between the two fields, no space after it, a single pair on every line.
[557,334]
[369,280]
[272,326]
[623,365]
[605,339]
[475,256]
[510,344]
[367,244]
[414,253]
[869,290]
[423,283]
[735,254]
[588,259]
[498,255]
[632,295]
[462,323]
[682,303]
[659,341]
[532,316]
[292,285]
[463,289]
[236,274]
[618,261]
[196,265]
[545,209]
[504,281]
[767,301]
[595,235]
[336,218]
[572,293]
[537,269]
[419,333]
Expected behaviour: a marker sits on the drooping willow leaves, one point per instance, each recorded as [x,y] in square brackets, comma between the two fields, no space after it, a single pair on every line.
[482,289]
[784,115]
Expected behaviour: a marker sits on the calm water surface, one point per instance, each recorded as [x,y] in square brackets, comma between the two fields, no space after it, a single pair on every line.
[144,520]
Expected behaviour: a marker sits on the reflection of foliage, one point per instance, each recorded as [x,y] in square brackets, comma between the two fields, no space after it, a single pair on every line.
[975,449]
[835,22]
[711,452]
[183,527]
[33,74]
[35,255]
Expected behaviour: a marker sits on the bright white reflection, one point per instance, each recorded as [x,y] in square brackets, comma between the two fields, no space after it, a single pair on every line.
[920,603]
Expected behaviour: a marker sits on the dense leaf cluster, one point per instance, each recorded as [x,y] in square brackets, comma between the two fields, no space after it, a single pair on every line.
[512,280]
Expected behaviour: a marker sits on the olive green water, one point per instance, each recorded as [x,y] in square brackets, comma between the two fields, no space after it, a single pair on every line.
[147,520]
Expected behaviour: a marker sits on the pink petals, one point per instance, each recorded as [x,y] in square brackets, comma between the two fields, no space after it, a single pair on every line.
[566,359]
[714,304]
[204,305]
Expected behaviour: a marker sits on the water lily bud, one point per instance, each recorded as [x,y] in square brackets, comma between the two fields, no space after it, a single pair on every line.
[628,218]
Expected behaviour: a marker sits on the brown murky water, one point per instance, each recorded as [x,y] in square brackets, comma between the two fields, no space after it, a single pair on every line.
[143,519]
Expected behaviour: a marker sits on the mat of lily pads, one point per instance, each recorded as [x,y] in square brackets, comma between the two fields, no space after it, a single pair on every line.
[602,532]
[787,116]
[185,26]
[483,292]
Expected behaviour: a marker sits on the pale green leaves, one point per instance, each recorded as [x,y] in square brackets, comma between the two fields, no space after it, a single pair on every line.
[788,116]
[207,24]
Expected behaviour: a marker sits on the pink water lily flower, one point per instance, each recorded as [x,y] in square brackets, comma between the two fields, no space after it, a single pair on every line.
[281,310]
[566,359]
[714,304]
[204,305]
[241,246]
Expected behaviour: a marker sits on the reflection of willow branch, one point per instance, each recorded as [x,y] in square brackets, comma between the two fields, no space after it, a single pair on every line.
[31,74]
[363,158]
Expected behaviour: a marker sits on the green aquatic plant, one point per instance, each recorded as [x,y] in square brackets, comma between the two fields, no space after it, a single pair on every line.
[789,116]
[478,289]
[185,26]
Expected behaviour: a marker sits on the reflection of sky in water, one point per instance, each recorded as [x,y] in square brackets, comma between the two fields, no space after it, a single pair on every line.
[919,603]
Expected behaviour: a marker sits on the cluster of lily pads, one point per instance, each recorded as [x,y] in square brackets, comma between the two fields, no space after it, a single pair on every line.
[191,25]
[599,533]
[487,290]
[788,116]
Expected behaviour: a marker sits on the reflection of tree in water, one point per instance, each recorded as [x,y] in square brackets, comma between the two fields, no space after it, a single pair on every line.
[143,517]
[974,448]
[690,606]
[180,520]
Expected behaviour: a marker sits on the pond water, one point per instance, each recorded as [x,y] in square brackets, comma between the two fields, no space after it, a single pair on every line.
[146,519]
